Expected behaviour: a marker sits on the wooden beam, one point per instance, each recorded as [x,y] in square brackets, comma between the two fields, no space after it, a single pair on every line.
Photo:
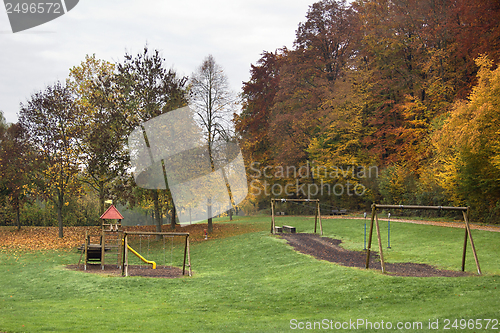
[103,247]
[466,219]
[297,200]
[272,217]
[155,233]
[319,215]
[126,255]
[316,218]
[374,211]
[124,246]
[420,207]
[86,249]
[465,249]
[185,255]
[382,264]
[189,257]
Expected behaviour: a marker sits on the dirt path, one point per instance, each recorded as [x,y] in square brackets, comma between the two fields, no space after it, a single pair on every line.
[328,249]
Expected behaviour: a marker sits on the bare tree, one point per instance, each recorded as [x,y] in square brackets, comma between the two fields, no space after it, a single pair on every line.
[214,103]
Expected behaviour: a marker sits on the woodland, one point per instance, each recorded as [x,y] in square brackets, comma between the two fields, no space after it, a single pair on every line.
[393,102]
[409,87]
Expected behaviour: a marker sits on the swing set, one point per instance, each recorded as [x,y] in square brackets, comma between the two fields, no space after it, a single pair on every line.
[466,214]
[126,248]
[317,210]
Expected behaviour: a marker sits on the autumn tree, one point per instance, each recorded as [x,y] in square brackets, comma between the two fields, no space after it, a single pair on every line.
[16,165]
[48,119]
[214,103]
[102,125]
[147,89]
[468,148]
[252,124]
[369,82]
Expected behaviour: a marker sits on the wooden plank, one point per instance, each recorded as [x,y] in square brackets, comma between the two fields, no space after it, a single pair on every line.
[156,233]
[189,257]
[185,254]
[123,254]
[296,200]
[319,216]
[420,207]
[381,254]
[466,218]
[465,249]
[103,248]
[272,217]
[374,211]
[315,219]
[86,245]
[126,255]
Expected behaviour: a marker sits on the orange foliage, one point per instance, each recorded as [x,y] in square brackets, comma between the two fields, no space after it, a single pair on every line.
[47,238]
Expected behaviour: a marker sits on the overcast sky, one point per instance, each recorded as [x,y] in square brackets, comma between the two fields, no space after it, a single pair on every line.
[235,32]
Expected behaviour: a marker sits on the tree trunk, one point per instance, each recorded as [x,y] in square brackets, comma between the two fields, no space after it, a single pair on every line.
[230,214]
[173,220]
[210,226]
[209,214]
[59,216]
[156,202]
[18,213]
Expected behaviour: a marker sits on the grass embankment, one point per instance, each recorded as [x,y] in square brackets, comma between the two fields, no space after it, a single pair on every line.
[254,282]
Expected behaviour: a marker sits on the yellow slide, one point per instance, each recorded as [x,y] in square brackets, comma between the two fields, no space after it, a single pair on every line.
[141,257]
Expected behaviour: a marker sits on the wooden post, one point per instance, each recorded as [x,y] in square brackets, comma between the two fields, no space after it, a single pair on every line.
[126,255]
[467,227]
[119,248]
[320,224]
[123,252]
[374,208]
[103,246]
[316,216]
[189,256]
[465,249]
[382,264]
[272,217]
[185,254]
[86,248]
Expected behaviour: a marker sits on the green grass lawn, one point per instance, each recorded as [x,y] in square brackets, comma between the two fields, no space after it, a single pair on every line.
[255,282]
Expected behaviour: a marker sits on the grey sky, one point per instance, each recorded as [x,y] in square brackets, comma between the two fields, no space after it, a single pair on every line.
[235,32]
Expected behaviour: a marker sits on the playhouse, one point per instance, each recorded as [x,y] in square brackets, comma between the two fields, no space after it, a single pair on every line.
[110,246]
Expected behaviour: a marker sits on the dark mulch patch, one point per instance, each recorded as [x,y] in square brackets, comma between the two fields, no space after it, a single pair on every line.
[328,249]
[133,270]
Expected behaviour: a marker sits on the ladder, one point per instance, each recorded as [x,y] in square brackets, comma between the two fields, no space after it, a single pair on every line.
[111,247]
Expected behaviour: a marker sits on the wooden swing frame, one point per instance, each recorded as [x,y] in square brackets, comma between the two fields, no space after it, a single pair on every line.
[316,217]
[465,211]
[187,254]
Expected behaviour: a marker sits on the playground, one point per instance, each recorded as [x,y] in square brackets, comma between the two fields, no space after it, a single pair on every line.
[247,279]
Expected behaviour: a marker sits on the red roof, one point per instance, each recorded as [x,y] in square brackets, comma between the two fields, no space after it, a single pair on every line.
[112,214]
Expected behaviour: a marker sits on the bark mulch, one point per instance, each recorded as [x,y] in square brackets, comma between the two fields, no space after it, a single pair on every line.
[328,249]
[133,270]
